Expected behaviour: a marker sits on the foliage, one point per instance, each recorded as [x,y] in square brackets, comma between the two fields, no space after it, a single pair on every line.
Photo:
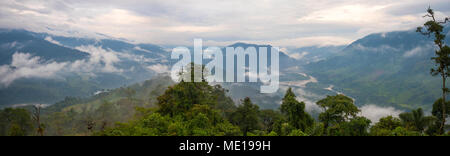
[441,58]
[246,116]
[297,132]
[416,120]
[385,126]
[208,113]
[185,109]
[336,109]
[180,98]
[435,128]
[270,119]
[357,126]
[15,122]
[401,131]
[317,129]
[295,111]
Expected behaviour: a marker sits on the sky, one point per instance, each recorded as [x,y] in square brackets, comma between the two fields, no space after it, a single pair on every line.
[284,23]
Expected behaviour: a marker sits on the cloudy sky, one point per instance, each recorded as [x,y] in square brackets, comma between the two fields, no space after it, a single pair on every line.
[218,22]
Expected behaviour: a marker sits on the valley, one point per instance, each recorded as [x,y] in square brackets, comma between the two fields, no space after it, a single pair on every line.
[375,70]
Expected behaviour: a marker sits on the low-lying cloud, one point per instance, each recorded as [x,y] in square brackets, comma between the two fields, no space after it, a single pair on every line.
[159,68]
[298,56]
[24,65]
[418,51]
[375,113]
[50,39]
[98,56]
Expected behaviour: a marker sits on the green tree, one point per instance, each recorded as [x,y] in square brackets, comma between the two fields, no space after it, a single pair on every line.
[385,126]
[269,119]
[437,112]
[224,102]
[357,126]
[442,58]
[401,131]
[15,122]
[297,132]
[336,109]
[388,122]
[295,111]
[317,129]
[200,125]
[58,121]
[185,109]
[286,129]
[213,115]
[182,97]
[16,130]
[227,129]
[246,116]
[416,120]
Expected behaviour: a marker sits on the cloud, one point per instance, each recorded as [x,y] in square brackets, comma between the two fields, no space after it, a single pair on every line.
[159,68]
[140,49]
[418,51]
[359,13]
[413,52]
[298,56]
[380,49]
[137,58]
[50,39]
[16,45]
[98,56]
[374,112]
[219,23]
[26,66]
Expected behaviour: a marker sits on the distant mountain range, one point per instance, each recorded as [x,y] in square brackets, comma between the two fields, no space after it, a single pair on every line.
[42,68]
[387,69]
[383,69]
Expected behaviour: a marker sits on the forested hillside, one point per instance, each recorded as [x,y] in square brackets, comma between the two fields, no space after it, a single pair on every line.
[159,107]
[44,68]
[386,69]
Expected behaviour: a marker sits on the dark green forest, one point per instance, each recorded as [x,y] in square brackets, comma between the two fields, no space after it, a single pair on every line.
[199,109]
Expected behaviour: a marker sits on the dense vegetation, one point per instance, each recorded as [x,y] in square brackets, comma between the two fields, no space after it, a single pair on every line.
[198,109]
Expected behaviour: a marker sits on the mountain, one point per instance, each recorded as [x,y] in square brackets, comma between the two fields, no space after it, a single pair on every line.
[239,91]
[12,41]
[385,69]
[80,67]
[285,60]
[68,117]
[44,68]
[389,69]
[311,54]
[145,92]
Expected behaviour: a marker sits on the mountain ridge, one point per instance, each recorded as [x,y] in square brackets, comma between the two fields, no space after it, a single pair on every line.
[387,69]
